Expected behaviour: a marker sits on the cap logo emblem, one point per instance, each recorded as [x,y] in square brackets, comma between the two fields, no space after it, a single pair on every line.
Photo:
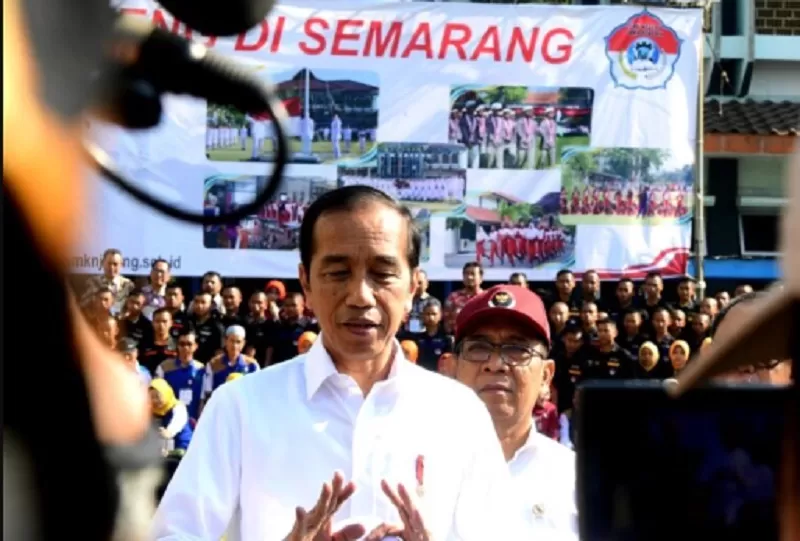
[502,299]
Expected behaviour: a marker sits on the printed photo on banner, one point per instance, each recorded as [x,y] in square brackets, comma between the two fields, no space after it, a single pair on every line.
[428,178]
[626,186]
[276,226]
[333,115]
[510,224]
[518,127]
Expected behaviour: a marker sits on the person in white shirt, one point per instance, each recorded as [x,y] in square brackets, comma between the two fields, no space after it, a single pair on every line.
[415,454]
[502,349]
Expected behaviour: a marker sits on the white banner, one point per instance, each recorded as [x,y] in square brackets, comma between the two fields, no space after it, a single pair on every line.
[532,138]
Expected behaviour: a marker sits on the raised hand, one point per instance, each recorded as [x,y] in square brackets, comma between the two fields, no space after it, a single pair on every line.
[315,524]
[412,527]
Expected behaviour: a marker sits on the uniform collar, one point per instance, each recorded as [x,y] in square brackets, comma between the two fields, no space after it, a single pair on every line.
[530,443]
[319,367]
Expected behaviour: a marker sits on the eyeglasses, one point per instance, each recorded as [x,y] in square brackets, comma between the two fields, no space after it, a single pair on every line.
[480,351]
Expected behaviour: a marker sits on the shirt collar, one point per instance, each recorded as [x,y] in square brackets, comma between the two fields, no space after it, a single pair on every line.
[318,366]
[530,443]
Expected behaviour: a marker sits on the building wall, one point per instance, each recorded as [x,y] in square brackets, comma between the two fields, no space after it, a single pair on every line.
[778,17]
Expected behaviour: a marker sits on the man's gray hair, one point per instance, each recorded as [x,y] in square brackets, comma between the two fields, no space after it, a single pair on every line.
[433,303]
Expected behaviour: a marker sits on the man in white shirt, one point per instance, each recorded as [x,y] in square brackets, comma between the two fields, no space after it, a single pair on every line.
[502,350]
[419,450]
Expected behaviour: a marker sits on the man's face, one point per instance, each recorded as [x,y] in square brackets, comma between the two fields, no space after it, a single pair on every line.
[162,323]
[105,301]
[234,345]
[742,290]
[187,345]
[174,298]
[472,278]
[661,321]
[685,291]
[258,304]
[112,265]
[624,292]
[360,285]
[510,392]
[709,307]
[201,305]
[723,299]
[518,280]
[590,283]
[565,284]
[431,316]
[130,358]
[293,307]
[606,333]
[231,299]
[632,323]
[212,284]
[652,288]
[422,283]
[134,305]
[159,274]
[559,313]
[573,342]
[589,315]
[109,330]
[678,320]
[700,323]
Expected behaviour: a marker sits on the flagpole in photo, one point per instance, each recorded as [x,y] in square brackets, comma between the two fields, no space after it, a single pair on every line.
[699,182]
[306,124]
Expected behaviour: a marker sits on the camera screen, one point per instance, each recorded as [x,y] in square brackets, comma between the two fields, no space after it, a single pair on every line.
[654,468]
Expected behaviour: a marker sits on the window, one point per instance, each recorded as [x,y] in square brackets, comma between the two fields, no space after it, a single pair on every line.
[758,231]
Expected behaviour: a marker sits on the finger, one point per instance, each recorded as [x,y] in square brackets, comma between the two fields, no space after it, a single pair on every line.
[337,484]
[397,502]
[344,495]
[300,524]
[414,516]
[318,512]
[383,531]
[352,532]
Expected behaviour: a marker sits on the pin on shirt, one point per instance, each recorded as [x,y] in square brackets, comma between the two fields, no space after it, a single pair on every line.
[420,474]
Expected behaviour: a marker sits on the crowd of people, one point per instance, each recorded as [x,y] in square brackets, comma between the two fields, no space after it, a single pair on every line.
[185,346]
[431,189]
[522,244]
[627,199]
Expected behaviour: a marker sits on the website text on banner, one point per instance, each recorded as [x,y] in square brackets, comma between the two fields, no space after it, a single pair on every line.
[528,137]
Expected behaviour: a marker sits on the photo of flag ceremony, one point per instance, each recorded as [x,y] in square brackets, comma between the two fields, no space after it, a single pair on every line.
[402,270]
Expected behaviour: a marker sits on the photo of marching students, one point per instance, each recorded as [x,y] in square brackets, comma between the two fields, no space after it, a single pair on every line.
[512,225]
[419,174]
[333,114]
[626,186]
[277,224]
[518,127]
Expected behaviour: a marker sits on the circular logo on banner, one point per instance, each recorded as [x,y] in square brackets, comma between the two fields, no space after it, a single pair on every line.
[643,52]
[502,299]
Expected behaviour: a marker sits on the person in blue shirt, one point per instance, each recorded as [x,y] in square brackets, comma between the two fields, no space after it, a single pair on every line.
[170,414]
[432,341]
[130,354]
[230,361]
[184,374]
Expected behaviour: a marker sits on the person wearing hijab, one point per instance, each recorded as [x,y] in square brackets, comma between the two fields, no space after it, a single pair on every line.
[679,355]
[171,415]
[648,360]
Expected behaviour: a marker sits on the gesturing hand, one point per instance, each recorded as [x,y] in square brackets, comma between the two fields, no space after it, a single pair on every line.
[315,525]
[413,527]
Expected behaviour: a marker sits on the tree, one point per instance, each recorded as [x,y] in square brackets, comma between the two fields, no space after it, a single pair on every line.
[514,212]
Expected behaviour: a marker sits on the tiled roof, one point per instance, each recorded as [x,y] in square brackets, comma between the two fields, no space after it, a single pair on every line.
[748,117]
[483,215]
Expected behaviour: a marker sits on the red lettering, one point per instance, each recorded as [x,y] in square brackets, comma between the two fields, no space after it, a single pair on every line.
[160,21]
[526,48]
[263,35]
[563,50]
[277,34]
[310,30]
[133,11]
[210,41]
[452,39]
[346,30]
[420,41]
[376,40]
[489,44]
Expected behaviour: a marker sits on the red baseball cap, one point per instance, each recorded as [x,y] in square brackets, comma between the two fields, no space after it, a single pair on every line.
[504,301]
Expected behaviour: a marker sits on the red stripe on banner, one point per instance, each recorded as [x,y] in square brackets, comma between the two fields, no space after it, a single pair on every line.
[670,263]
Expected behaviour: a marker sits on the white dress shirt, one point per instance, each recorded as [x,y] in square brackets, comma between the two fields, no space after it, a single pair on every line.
[543,479]
[266,444]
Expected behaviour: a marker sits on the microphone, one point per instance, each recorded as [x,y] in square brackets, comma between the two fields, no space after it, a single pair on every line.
[148,62]
[214,18]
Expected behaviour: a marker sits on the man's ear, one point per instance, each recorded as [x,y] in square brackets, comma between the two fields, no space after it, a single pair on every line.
[305,284]
[414,285]
[548,371]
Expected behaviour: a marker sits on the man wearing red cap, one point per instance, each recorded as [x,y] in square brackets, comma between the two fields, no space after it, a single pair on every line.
[502,352]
